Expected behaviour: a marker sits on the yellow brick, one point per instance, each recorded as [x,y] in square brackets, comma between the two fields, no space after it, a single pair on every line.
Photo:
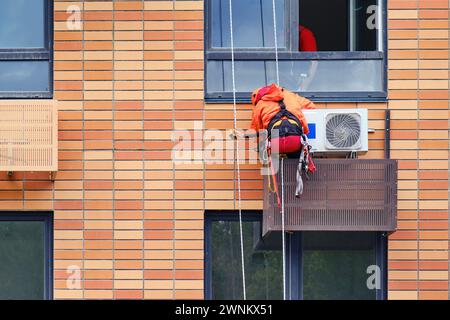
[402,295]
[158,284]
[128,225]
[158,5]
[402,14]
[128,274]
[98,264]
[128,235]
[189,5]
[128,284]
[68,294]
[433,275]
[98,6]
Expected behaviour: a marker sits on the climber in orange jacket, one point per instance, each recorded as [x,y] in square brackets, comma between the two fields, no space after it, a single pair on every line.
[266,105]
[277,108]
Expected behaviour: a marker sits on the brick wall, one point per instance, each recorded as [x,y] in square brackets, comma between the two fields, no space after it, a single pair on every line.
[419,100]
[124,213]
[132,219]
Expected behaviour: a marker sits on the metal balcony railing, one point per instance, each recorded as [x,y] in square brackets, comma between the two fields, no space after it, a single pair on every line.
[343,195]
[28,135]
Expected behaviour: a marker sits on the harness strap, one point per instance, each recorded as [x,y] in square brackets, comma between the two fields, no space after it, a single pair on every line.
[283,112]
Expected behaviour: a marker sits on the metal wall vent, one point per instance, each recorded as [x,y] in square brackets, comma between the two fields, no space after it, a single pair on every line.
[28,135]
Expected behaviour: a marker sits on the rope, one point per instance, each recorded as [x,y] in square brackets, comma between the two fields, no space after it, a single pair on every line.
[233,80]
[237,150]
[283,235]
[275,40]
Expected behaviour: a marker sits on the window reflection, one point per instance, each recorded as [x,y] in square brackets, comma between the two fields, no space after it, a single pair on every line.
[298,75]
[252,23]
[17,76]
[22,256]
[335,265]
[22,24]
[263,267]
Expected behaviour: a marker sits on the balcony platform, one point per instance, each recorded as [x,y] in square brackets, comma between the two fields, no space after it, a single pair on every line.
[342,195]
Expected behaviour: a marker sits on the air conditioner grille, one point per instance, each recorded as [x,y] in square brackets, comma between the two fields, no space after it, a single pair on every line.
[343,131]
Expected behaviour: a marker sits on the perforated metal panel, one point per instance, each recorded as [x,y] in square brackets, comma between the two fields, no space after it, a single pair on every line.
[28,135]
[343,195]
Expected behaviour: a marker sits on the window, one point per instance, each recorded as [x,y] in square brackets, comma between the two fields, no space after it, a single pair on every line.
[263,263]
[337,266]
[25,49]
[319,265]
[319,41]
[26,256]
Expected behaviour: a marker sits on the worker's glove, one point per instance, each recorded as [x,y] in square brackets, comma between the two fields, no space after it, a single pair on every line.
[237,134]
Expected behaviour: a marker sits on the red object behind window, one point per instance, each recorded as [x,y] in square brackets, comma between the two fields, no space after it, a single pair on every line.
[307,40]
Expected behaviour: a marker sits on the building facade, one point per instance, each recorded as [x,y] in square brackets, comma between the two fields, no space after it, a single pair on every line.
[122,219]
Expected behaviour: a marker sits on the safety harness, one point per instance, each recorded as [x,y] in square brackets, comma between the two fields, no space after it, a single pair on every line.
[286,139]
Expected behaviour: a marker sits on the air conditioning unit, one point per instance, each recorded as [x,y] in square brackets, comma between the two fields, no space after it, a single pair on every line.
[338,130]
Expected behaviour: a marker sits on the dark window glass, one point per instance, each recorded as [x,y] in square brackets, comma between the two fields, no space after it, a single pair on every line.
[252,23]
[22,24]
[23,76]
[263,262]
[22,260]
[365,27]
[340,25]
[335,265]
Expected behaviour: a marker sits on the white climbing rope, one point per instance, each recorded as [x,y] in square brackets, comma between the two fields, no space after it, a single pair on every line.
[283,233]
[277,70]
[233,80]
[237,150]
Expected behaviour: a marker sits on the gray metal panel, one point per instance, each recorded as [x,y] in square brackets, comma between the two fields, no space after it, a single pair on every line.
[343,195]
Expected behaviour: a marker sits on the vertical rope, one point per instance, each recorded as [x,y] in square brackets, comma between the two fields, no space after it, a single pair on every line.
[275,39]
[283,234]
[233,80]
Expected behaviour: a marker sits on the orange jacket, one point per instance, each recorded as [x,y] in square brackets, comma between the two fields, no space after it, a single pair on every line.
[266,106]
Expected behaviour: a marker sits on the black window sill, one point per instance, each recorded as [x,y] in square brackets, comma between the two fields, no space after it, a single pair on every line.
[25,95]
[314,99]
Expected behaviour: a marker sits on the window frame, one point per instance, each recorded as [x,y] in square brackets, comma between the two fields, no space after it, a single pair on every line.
[34,54]
[294,249]
[213,54]
[211,216]
[45,217]
[294,254]
[292,40]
